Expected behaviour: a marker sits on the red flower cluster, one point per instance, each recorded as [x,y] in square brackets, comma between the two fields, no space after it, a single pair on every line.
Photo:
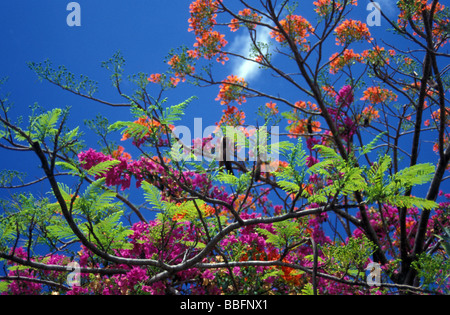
[295,27]
[209,43]
[325,7]
[412,11]
[339,61]
[351,31]
[231,90]
[377,95]
[250,18]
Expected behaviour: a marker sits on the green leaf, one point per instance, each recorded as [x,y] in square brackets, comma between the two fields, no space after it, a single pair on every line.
[4,286]
[418,174]
[49,119]
[277,273]
[65,191]
[110,232]
[322,168]
[18,268]
[198,245]
[43,125]
[288,186]
[61,232]
[327,152]
[369,147]
[72,134]
[308,289]
[153,196]
[102,167]
[73,169]
[118,125]
[298,156]
[286,233]
[227,178]
[175,112]
[239,183]
[409,202]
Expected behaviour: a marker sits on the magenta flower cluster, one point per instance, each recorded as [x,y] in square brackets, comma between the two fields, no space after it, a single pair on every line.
[171,182]
[344,123]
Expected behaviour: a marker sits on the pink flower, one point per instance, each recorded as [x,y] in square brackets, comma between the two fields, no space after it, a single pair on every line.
[345,96]
[311,142]
[310,161]
[208,275]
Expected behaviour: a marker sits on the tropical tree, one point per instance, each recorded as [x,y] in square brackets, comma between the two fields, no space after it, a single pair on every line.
[343,189]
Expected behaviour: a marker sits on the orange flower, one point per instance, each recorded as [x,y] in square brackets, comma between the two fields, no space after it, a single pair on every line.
[377,95]
[339,61]
[175,81]
[203,16]
[370,113]
[297,27]
[205,209]
[273,107]
[407,60]
[154,127]
[234,25]
[306,105]
[436,116]
[413,11]
[291,275]
[210,44]
[232,117]
[202,21]
[436,147]
[249,203]
[231,90]
[308,188]
[330,91]
[259,58]
[250,20]
[180,65]
[377,55]
[324,7]
[155,78]
[415,87]
[300,127]
[351,31]
[174,61]
[193,53]
[120,153]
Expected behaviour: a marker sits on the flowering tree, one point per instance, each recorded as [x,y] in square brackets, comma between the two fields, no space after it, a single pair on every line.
[339,198]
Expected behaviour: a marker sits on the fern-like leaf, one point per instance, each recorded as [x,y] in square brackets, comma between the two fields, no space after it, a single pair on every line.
[102,168]
[289,186]
[152,195]
[369,147]
[175,112]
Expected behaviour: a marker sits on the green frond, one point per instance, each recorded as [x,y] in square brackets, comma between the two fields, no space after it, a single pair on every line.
[73,170]
[286,233]
[327,152]
[410,202]
[175,112]
[102,167]
[288,186]
[152,195]
[369,147]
